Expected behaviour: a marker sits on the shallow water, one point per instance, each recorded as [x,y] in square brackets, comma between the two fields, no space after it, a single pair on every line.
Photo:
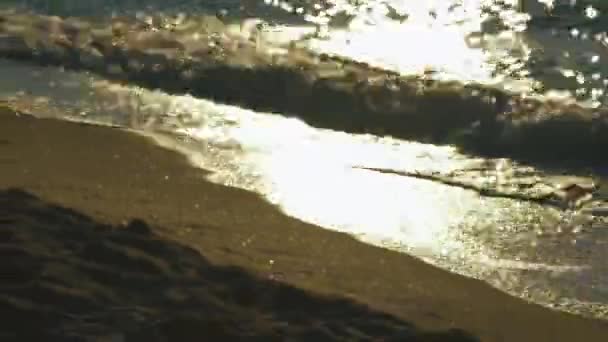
[547,254]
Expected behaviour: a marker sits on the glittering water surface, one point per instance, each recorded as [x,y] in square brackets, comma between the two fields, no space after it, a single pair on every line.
[546,253]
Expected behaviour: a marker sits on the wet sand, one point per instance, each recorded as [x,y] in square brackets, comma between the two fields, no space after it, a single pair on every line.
[105,235]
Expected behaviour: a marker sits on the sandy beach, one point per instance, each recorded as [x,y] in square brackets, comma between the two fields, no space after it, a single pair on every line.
[106,237]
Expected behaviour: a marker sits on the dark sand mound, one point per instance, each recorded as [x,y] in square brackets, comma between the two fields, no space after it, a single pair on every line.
[201,261]
[66,277]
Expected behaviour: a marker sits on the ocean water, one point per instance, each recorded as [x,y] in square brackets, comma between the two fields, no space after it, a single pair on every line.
[547,253]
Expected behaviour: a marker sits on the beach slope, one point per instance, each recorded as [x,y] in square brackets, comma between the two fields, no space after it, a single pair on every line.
[105,235]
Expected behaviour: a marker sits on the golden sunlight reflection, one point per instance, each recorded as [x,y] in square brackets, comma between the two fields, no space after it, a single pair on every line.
[416,49]
[417,44]
[413,37]
[482,41]
[319,184]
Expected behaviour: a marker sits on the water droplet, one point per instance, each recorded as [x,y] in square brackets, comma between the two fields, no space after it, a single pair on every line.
[574,32]
[591,12]
[580,79]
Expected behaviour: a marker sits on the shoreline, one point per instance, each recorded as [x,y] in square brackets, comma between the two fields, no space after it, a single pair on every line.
[98,218]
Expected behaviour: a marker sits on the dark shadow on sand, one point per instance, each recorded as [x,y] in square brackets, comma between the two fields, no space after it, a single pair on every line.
[66,277]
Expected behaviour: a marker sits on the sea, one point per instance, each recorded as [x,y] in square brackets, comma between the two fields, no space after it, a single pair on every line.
[429,203]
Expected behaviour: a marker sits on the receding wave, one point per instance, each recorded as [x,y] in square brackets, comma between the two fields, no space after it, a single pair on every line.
[204,58]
